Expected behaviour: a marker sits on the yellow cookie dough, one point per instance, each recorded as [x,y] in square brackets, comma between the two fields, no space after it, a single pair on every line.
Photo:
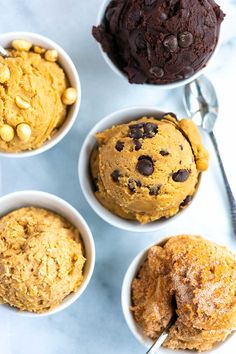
[32,95]
[200,276]
[41,259]
[148,168]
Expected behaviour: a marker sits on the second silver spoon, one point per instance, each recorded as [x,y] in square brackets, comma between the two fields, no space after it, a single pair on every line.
[201,104]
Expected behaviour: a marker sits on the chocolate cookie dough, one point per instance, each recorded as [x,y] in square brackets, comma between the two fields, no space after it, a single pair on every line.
[34,95]
[158,42]
[148,168]
[194,278]
[41,259]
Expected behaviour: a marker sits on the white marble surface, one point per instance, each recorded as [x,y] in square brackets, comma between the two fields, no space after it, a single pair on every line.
[95,323]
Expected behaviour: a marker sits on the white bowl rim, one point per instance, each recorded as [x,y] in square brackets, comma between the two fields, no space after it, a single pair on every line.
[130,273]
[86,234]
[86,186]
[172,85]
[67,125]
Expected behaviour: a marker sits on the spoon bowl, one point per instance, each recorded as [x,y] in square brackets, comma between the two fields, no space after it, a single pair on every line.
[201,104]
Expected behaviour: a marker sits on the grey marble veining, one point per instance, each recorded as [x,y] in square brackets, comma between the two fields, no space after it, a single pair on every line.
[95,324]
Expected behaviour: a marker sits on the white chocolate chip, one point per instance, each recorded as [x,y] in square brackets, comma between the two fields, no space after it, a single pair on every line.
[39,50]
[69,96]
[22,103]
[6,132]
[23,131]
[21,44]
[4,73]
[51,55]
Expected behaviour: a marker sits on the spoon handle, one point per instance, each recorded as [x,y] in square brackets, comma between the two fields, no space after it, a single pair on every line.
[161,339]
[228,188]
[158,343]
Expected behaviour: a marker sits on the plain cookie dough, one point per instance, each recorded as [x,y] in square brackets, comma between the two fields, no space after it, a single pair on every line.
[148,169]
[41,259]
[41,84]
[201,277]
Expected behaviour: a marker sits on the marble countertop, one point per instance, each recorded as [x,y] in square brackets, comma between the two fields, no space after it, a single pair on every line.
[95,323]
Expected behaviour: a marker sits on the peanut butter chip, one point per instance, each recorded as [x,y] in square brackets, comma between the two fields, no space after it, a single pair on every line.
[39,50]
[6,132]
[4,73]
[51,55]
[69,96]
[23,131]
[21,44]
[22,103]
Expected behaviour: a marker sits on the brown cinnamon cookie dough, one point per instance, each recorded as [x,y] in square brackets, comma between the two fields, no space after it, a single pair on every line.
[41,259]
[148,168]
[201,277]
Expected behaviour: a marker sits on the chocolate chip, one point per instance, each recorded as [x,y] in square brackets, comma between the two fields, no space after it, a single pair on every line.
[173,115]
[133,184]
[171,43]
[135,131]
[163,16]
[137,144]
[135,17]
[142,130]
[154,190]
[140,42]
[181,147]
[186,201]
[145,165]
[157,71]
[119,145]
[164,153]
[150,130]
[116,175]
[181,175]
[136,126]
[185,39]
[186,72]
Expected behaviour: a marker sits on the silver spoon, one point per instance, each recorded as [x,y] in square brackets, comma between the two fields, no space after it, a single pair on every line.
[161,339]
[201,104]
[3,52]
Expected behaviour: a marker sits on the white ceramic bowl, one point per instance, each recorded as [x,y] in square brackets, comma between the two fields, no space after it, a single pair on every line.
[72,74]
[226,347]
[118,117]
[51,202]
[119,72]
